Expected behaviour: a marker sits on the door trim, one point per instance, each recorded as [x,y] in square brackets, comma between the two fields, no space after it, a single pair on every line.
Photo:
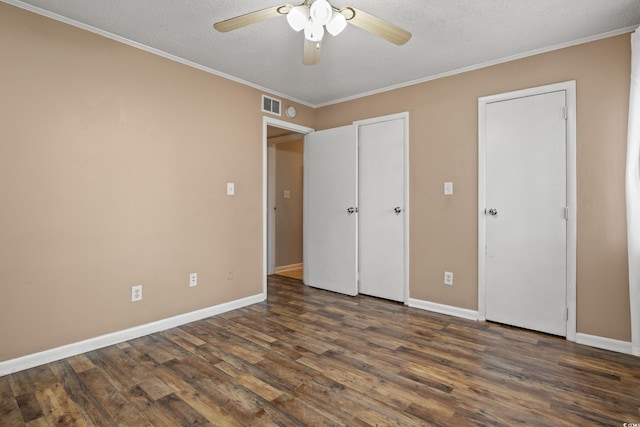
[405,117]
[271,220]
[266,122]
[570,88]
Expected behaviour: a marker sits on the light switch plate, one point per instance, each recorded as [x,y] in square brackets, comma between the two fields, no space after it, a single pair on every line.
[448,188]
[287,194]
[231,190]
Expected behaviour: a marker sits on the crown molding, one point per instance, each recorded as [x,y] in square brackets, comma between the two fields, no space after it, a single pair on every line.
[124,40]
[534,52]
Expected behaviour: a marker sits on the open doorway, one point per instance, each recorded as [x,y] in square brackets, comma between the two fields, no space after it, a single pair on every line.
[283,145]
[286,158]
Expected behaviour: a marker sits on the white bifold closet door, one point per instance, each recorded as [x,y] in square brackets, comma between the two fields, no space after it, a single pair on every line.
[330,200]
[381,209]
[354,228]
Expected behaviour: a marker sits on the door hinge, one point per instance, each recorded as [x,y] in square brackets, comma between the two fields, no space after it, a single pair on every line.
[565,112]
[566,313]
[566,212]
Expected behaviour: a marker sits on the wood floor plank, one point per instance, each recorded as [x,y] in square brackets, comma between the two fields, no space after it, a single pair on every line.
[202,403]
[29,407]
[155,388]
[180,412]
[42,377]
[232,327]
[9,410]
[307,414]
[116,376]
[21,383]
[158,353]
[250,382]
[309,357]
[330,398]
[238,403]
[111,399]
[149,408]
[183,339]
[80,363]
[57,409]
[118,364]
[39,422]
[77,391]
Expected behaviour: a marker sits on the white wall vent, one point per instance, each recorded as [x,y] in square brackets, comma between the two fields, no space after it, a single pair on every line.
[271,105]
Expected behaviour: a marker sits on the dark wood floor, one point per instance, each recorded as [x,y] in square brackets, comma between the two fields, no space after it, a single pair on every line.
[309,357]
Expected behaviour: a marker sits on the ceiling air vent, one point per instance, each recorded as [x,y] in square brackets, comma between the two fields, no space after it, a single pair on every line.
[271,105]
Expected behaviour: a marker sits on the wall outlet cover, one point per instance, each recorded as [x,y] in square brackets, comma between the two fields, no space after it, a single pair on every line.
[136,293]
[448,278]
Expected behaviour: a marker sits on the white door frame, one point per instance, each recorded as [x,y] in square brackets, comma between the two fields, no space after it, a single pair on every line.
[570,88]
[405,117]
[266,122]
[271,218]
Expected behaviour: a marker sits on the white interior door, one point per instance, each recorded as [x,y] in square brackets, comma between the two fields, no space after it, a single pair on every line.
[526,227]
[330,192]
[381,213]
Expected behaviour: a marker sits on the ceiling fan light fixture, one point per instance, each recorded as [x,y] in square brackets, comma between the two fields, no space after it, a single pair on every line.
[316,17]
[337,23]
[298,17]
[313,31]
[321,12]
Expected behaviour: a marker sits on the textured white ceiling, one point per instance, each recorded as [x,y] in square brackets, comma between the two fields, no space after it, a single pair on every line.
[448,35]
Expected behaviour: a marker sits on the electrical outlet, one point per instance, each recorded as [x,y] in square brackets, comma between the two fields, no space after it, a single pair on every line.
[193,279]
[230,274]
[448,278]
[136,293]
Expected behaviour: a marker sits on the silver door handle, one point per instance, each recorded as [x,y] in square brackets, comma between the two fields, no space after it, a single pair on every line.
[351,210]
[492,212]
[397,209]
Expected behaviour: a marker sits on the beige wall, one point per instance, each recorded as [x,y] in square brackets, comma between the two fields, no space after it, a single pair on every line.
[113,164]
[113,171]
[289,162]
[443,147]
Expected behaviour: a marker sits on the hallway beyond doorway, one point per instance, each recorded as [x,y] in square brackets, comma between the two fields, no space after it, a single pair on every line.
[294,273]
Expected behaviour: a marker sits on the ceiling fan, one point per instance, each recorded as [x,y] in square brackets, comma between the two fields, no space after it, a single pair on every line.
[316,16]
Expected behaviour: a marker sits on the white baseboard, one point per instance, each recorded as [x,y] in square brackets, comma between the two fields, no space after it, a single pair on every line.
[605,343]
[590,340]
[288,267]
[58,353]
[444,309]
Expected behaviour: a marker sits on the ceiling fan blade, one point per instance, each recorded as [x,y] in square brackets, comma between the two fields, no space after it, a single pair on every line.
[251,18]
[311,52]
[376,26]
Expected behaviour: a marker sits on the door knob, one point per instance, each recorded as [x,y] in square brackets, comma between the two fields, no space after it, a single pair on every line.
[351,210]
[397,209]
[492,212]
